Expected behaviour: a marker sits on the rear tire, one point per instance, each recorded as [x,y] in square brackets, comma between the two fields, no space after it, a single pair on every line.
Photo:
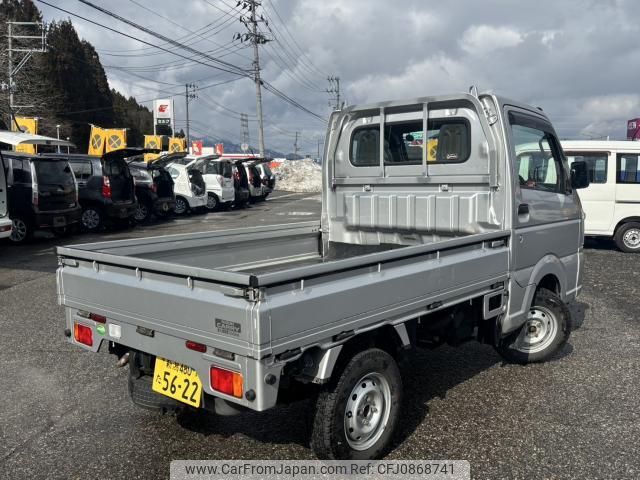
[181,206]
[627,237]
[357,413]
[212,202]
[546,330]
[92,219]
[21,230]
[143,212]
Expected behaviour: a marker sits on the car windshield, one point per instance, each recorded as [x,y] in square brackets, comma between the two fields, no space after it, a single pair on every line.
[54,172]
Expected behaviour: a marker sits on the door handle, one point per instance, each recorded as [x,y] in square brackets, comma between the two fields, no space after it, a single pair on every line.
[523,209]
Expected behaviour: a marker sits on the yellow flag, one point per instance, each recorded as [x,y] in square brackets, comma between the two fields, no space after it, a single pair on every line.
[116,139]
[27,125]
[153,141]
[149,157]
[432,149]
[96,140]
[177,144]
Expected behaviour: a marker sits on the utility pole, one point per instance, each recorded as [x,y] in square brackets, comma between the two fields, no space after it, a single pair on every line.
[295,147]
[28,47]
[256,38]
[334,89]
[189,94]
[319,142]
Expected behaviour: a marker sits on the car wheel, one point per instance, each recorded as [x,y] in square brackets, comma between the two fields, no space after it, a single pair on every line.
[627,237]
[91,219]
[212,201]
[142,213]
[546,330]
[181,206]
[21,230]
[357,413]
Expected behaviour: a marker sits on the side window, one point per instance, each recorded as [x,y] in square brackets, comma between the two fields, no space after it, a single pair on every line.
[597,164]
[174,173]
[21,170]
[627,168]
[538,160]
[82,170]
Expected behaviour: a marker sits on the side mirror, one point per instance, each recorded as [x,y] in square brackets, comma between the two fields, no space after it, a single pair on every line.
[579,175]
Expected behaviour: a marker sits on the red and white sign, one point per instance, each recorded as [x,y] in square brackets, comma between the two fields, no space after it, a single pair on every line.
[633,129]
[196,147]
[219,148]
[162,108]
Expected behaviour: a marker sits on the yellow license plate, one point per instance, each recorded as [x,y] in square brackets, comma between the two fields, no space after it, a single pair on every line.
[177,381]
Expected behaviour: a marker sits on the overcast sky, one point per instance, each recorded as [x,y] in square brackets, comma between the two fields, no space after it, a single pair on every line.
[577,59]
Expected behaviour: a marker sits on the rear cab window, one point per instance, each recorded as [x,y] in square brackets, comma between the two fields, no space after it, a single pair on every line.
[447,141]
[83,170]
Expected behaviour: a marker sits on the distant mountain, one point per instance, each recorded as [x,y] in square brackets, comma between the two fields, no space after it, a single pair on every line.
[231,147]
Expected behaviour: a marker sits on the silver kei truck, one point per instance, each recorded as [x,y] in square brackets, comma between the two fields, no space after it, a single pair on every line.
[428,235]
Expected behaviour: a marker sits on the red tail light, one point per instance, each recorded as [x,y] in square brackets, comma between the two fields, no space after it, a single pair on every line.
[236,175]
[106,187]
[83,334]
[198,347]
[225,381]
[35,198]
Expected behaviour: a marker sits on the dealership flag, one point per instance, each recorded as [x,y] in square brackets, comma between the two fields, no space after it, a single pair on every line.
[26,125]
[96,140]
[153,142]
[116,139]
[176,144]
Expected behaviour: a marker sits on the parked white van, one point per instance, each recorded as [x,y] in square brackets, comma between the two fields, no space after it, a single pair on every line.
[612,201]
[218,175]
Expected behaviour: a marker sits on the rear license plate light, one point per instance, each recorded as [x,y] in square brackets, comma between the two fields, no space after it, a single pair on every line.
[83,334]
[226,381]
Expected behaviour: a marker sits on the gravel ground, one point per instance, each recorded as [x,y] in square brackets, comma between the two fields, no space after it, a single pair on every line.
[66,413]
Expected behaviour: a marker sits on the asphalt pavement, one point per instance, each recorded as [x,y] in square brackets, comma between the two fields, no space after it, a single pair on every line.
[66,413]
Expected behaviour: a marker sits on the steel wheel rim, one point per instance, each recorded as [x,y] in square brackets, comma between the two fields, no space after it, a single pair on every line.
[90,219]
[18,230]
[538,332]
[180,207]
[631,238]
[141,212]
[211,202]
[367,411]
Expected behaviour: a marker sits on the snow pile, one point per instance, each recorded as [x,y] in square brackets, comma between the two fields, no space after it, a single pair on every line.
[298,176]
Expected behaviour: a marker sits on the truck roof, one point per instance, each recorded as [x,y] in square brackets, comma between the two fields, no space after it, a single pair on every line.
[607,145]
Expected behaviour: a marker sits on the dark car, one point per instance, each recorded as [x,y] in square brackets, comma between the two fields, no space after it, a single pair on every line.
[240,184]
[105,186]
[42,194]
[154,191]
[267,176]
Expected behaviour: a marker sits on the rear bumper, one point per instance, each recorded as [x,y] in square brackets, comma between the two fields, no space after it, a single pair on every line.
[5,227]
[124,210]
[57,218]
[241,195]
[258,394]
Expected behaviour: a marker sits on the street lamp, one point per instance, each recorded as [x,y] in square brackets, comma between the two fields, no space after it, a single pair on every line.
[58,135]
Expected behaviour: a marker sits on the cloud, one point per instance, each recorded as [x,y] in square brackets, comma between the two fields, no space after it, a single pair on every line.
[483,39]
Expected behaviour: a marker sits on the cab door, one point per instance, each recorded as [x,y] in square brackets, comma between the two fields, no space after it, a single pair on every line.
[598,199]
[547,218]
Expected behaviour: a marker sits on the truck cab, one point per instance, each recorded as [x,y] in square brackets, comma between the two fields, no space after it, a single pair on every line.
[612,201]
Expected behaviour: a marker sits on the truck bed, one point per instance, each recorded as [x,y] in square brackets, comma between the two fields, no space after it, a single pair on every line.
[272,282]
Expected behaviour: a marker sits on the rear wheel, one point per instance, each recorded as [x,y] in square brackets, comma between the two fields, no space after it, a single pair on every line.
[212,201]
[21,230]
[627,237]
[546,330]
[92,219]
[357,413]
[181,206]
[143,212]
